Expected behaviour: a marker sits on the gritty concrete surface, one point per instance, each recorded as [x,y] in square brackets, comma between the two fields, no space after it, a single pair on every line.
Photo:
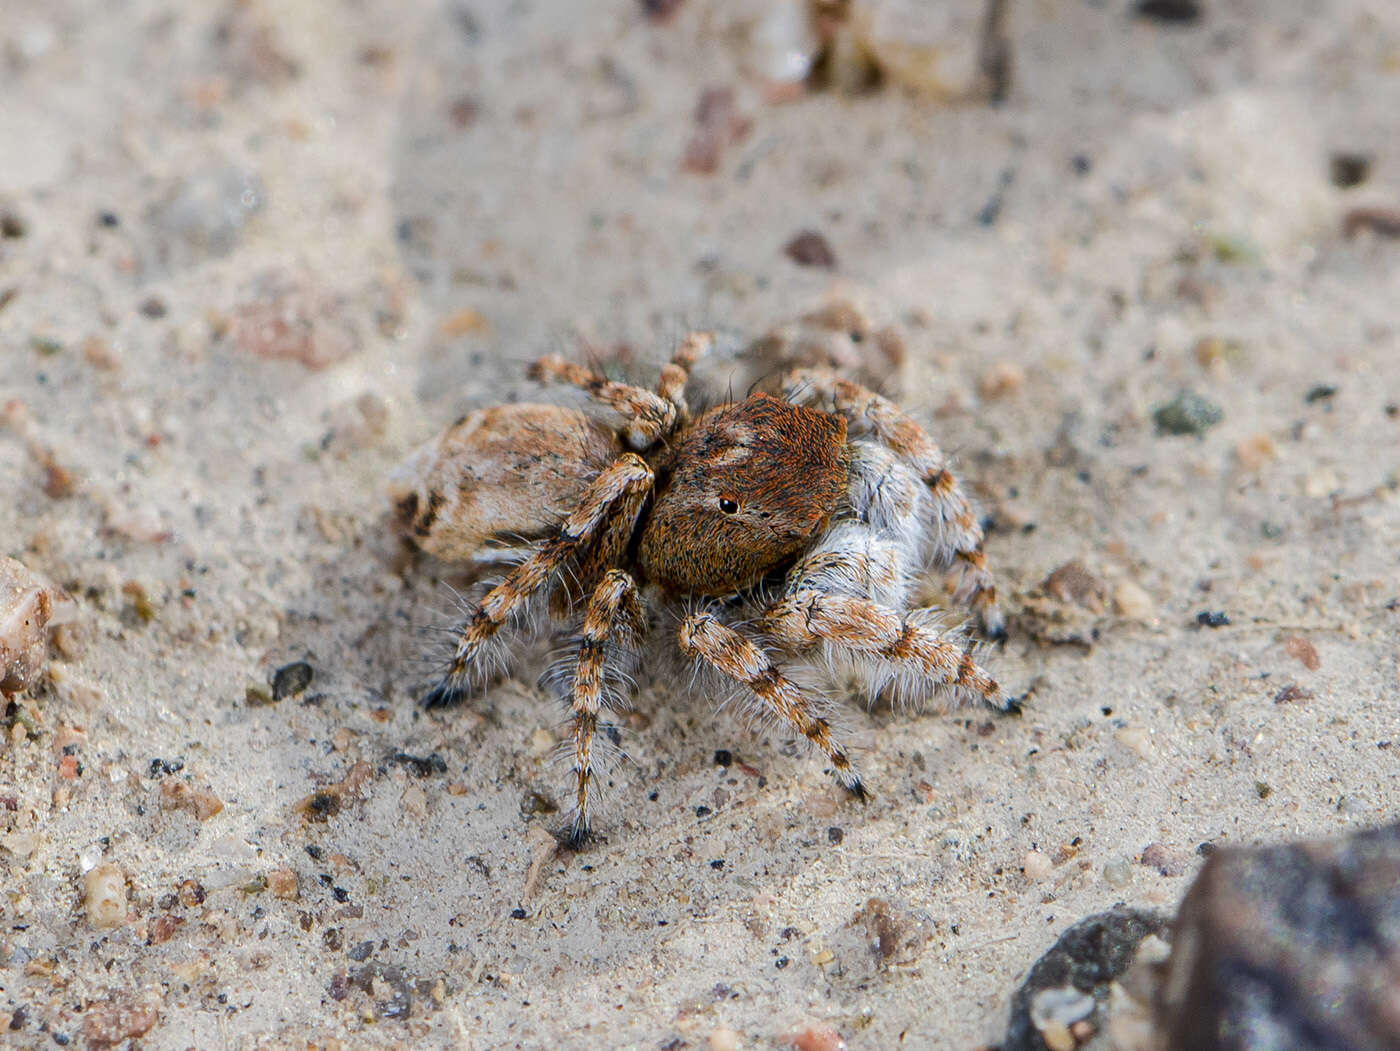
[256,252]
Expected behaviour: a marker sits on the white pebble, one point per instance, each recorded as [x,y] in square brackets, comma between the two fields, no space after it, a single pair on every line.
[1136,740]
[1132,601]
[1118,872]
[104,897]
[783,44]
[1036,865]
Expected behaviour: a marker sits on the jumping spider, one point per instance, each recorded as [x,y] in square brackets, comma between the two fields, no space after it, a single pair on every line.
[770,528]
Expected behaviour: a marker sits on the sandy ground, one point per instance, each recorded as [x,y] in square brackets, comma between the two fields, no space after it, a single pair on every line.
[408,202]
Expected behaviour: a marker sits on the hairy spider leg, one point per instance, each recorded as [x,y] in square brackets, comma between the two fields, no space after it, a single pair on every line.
[597,558]
[627,476]
[703,637]
[671,384]
[650,416]
[805,618]
[960,534]
[607,647]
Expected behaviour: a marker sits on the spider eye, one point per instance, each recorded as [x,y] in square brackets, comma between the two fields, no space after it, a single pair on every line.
[727,505]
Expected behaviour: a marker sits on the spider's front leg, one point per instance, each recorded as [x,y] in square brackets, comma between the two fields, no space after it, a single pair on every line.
[596,677]
[960,536]
[704,638]
[622,486]
[805,618]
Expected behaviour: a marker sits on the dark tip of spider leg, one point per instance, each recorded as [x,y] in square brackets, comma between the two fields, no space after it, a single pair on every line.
[575,837]
[995,632]
[858,790]
[444,695]
[1015,706]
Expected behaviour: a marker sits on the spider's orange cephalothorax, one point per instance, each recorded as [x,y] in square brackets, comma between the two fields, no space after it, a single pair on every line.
[748,488]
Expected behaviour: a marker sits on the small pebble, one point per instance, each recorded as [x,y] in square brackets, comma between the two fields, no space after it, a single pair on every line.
[108,1023]
[283,884]
[12,225]
[1255,451]
[1321,483]
[256,695]
[815,1038]
[361,952]
[660,10]
[1187,413]
[104,897]
[1036,865]
[1175,11]
[164,927]
[291,679]
[783,43]
[1384,222]
[1117,872]
[723,1039]
[810,248]
[1350,169]
[414,801]
[1130,600]
[25,607]
[1303,651]
[153,307]
[1292,692]
[463,323]
[200,803]
[1073,583]
[1322,392]
[1002,380]
[191,893]
[1164,859]
[1212,618]
[1136,740]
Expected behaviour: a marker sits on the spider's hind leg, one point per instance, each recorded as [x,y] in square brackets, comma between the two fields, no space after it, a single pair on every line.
[958,535]
[621,486]
[901,642]
[650,417]
[675,373]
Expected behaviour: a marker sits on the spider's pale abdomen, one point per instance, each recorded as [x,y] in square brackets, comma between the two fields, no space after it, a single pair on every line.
[748,488]
[504,474]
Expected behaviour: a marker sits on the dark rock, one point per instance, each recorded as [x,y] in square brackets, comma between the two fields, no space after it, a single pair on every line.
[1087,958]
[291,679]
[1178,11]
[1295,946]
[1384,222]
[1350,169]
[1187,413]
[361,952]
[810,248]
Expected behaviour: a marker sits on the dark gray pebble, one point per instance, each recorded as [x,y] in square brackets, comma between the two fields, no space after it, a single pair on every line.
[291,679]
